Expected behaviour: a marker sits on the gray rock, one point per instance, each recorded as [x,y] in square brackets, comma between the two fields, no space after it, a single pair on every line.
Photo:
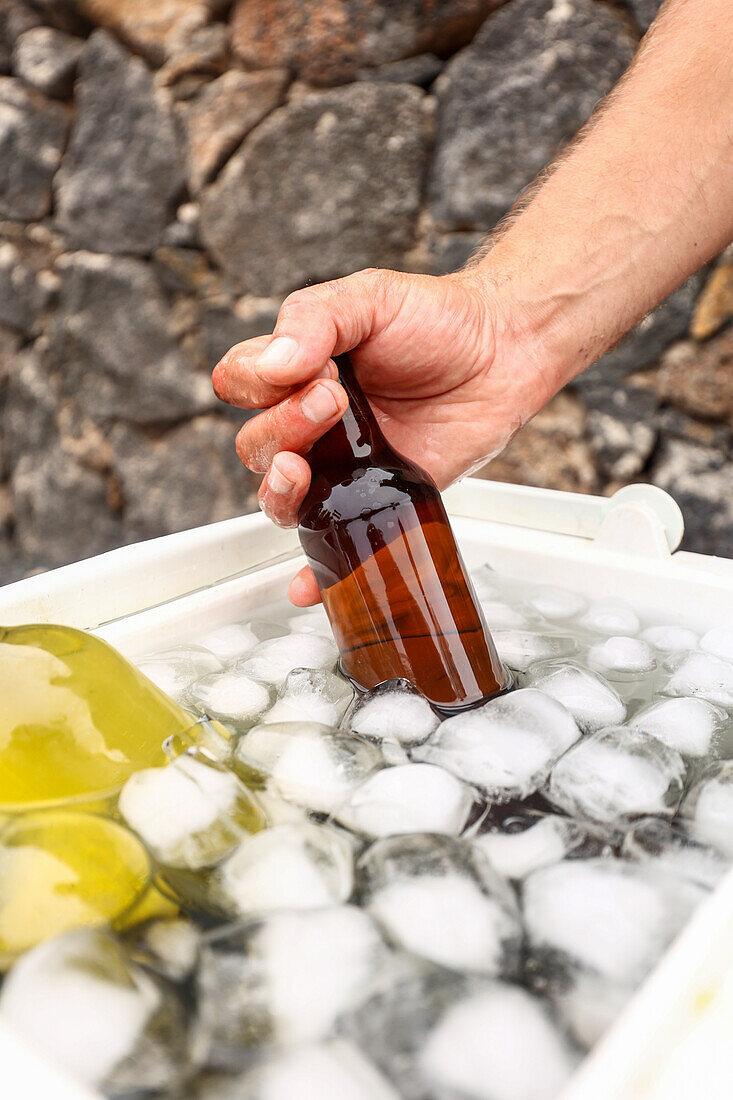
[623,435]
[421,70]
[699,478]
[223,113]
[46,59]
[335,179]
[643,346]
[644,11]
[61,509]
[450,251]
[32,137]
[184,478]
[222,328]
[15,18]
[29,415]
[113,346]
[24,292]
[124,166]
[515,96]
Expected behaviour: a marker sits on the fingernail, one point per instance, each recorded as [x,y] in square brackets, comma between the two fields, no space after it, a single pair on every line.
[277,482]
[277,355]
[319,404]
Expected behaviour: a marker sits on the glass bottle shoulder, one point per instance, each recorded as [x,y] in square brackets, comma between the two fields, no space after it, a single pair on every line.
[364,492]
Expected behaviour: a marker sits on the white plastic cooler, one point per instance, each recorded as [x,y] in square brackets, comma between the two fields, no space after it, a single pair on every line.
[675,1038]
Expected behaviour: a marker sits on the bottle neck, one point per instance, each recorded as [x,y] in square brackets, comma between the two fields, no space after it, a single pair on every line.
[356,436]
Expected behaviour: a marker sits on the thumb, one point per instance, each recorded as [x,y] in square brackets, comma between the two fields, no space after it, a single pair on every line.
[324,320]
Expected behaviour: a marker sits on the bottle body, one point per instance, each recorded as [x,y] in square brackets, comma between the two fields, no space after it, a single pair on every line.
[376,534]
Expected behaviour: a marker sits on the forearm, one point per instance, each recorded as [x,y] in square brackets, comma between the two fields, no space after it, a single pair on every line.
[641,200]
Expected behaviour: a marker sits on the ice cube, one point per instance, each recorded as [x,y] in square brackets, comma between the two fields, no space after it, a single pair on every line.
[592,702]
[312,621]
[440,1034]
[169,947]
[230,697]
[595,928]
[307,763]
[105,1020]
[271,661]
[610,617]
[441,899]
[190,813]
[296,866]
[669,638]
[617,774]
[236,640]
[689,725]
[394,712]
[284,979]
[526,1056]
[708,808]
[175,670]
[500,616]
[333,1070]
[544,840]
[622,656]
[719,642]
[704,675]
[312,695]
[557,603]
[521,648]
[408,798]
[669,850]
[608,915]
[507,747]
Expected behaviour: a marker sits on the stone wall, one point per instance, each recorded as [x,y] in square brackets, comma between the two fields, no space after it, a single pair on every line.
[170,169]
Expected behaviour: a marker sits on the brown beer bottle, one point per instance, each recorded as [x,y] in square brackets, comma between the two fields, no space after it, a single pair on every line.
[378,539]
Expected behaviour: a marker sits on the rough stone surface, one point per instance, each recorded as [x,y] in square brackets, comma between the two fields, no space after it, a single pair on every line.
[698,381]
[185,478]
[335,178]
[32,136]
[714,307]
[24,291]
[329,41]
[511,99]
[55,499]
[421,70]
[550,452]
[112,343]
[46,59]
[193,53]
[150,26]
[124,166]
[223,113]
[699,478]
[222,327]
[644,11]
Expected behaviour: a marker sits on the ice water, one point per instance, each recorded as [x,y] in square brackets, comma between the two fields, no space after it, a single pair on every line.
[350,895]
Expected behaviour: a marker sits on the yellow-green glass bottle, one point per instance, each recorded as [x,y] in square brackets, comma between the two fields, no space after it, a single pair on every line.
[76,718]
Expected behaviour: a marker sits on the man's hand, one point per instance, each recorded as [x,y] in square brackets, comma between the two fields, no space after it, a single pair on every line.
[449,382]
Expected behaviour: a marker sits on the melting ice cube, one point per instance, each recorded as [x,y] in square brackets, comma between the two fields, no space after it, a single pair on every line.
[231,697]
[545,839]
[408,798]
[611,618]
[702,674]
[190,813]
[521,648]
[592,702]
[441,899]
[689,725]
[271,661]
[620,655]
[394,712]
[670,638]
[311,695]
[617,774]
[507,747]
[284,979]
[708,808]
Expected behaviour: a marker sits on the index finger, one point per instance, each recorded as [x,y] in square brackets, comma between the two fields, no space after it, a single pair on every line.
[236,380]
